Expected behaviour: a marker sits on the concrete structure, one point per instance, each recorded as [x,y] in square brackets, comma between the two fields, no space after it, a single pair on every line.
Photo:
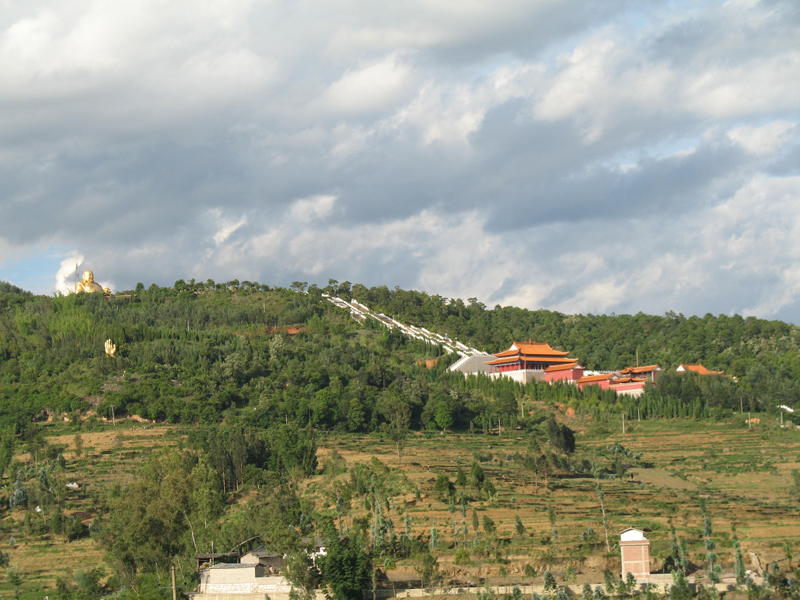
[257,576]
[361,313]
[240,578]
[635,550]
[472,365]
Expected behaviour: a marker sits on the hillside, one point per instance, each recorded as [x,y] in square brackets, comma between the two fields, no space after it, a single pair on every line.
[232,411]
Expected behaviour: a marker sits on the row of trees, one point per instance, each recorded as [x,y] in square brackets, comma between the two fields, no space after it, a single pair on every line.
[194,358]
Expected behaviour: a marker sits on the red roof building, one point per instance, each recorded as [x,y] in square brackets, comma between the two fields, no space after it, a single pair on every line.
[697,368]
[649,371]
[526,361]
[620,382]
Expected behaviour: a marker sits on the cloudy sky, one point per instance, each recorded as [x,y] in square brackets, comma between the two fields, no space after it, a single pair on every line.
[608,156]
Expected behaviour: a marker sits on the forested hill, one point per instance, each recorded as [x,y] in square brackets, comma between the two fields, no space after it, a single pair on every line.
[206,352]
[751,348]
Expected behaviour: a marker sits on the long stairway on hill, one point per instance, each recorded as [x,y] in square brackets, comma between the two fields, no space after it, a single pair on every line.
[360,312]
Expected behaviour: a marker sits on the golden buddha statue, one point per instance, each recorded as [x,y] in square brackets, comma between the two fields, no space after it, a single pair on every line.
[89,285]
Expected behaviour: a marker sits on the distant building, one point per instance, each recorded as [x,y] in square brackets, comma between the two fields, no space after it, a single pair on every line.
[696,368]
[258,574]
[629,381]
[622,384]
[239,578]
[648,372]
[272,561]
[635,550]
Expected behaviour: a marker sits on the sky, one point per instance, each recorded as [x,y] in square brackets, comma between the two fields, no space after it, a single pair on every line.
[614,156]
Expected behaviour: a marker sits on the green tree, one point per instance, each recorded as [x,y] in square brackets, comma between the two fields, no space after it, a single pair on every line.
[680,587]
[601,499]
[346,567]
[461,478]
[428,568]
[550,583]
[560,436]
[586,592]
[551,516]
[519,528]
[147,523]
[710,545]
[476,476]
[488,525]
[443,487]
[398,424]
[78,442]
[739,570]
[15,577]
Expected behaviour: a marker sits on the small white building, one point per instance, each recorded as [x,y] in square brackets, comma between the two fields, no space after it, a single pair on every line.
[258,575]
[241,578]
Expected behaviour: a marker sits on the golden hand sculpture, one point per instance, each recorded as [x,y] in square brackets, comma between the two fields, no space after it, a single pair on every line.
[111,348]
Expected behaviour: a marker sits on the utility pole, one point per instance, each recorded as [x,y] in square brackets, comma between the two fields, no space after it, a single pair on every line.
[174,586]
[623,423]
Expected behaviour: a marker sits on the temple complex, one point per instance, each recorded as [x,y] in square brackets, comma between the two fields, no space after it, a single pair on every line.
[536,361]
[630,380]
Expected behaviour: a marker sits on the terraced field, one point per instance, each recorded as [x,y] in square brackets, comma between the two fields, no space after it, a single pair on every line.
[744,477]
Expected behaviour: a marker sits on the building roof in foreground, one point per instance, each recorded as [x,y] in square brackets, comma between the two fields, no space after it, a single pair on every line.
[562,367]
[638,370]
[530,349]
[534,352]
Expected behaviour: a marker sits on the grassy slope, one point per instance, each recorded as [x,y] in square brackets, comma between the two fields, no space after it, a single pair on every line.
[744,476]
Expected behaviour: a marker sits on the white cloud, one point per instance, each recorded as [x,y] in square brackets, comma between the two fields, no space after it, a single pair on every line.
[763,140]
[312,209]
[579,156]
[225,227]
[65,277]
[584,80]
[371,87]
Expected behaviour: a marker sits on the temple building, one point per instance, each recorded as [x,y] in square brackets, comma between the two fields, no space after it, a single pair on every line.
[620,383]
[648,372]
[529,361]
[696,368]
[629,381]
